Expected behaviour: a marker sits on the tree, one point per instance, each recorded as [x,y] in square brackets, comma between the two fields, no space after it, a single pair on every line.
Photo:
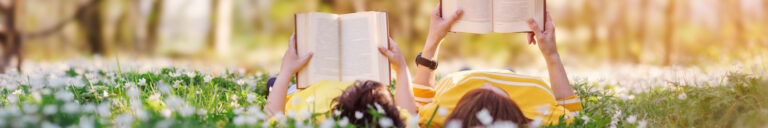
[669,31]
[89,17]
[152,28]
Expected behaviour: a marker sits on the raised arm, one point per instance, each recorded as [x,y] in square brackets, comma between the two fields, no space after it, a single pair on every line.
[291,64]
[438,28]
[403,93]
[548,48]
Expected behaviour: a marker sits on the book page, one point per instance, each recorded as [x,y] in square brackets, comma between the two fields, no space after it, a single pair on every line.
[512,15]
[359,42]
[477,17]
[382,35]
[319,34]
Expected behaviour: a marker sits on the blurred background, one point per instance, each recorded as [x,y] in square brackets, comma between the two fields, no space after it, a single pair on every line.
[253,34]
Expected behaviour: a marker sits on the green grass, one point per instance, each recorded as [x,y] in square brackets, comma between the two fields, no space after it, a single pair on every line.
[231,100]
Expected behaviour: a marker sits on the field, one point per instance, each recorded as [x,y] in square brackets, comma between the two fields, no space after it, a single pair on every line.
[130,95]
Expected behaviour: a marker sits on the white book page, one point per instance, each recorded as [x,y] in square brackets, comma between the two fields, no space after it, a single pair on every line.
[477,17]
[512,15]
[321,36]
[359,47]
[382,36]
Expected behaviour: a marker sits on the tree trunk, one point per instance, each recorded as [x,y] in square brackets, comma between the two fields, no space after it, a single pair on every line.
[153,23]
[210,42]
[11,36]
[90,20]
[669,31]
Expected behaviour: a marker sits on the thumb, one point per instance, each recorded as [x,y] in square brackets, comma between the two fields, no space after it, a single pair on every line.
[304,60]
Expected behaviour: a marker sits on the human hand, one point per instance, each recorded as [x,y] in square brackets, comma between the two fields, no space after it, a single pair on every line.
[544,37]
[394,55]
[292,62]
[439,26]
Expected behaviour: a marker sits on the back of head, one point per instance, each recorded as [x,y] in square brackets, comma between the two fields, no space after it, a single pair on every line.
[362,97]
[499,107]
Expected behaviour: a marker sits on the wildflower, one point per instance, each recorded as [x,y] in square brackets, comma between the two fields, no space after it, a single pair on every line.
[642,124]
[166,113]
[336,112]
[50,109]
[176,83]
[379,109]
[484,117]
[250,97]
[86,122]
[207,78]
[29,107]
[105,94]
[682,96]
[412,122]
[142,81]
[453,124]
[164,123]
[535,123]
[70,108]
[186,111]
[327,123]
[65,95]
[358,115]
[240,82]
[47,124]
[385,122]
[133,92]
[442,111]
[504,124]
[88,107]
[632,119]
[343,122]
[585,118]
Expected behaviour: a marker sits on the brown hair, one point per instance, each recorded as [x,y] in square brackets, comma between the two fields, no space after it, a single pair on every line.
[360,97]
[500,108]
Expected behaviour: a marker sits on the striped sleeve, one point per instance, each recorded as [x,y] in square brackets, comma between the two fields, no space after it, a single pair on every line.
[423,94]
[572,103]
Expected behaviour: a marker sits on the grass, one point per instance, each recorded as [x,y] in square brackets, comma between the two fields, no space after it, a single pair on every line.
[181,98]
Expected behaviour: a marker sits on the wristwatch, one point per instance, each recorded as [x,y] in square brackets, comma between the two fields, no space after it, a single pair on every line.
[431,64]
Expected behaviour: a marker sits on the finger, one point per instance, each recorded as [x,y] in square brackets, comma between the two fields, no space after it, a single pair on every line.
[436,13]
[531,38]
[534,27]
[304,60]
[292,42]
[385,52]
[550,24]
[453,18]
[393,44]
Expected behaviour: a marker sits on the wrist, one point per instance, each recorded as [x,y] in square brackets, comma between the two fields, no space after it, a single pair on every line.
[552,57]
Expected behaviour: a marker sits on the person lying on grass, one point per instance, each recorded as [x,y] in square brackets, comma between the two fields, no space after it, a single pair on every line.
[344,100]
[478,98]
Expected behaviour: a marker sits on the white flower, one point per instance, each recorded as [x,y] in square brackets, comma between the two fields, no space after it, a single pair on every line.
[343,122]
[682,96]
[453,124]
[484,117]
[186,111]
[642,124]
[142,81]
[385,122]
[86,122]
[65,95]
[167,123]
[305,115]
[50,109]
[585,118]
[238,120]
[250,97]
[327,123]
[133,92]
[336,112]
[176,83]
[358,115]
[174,102]
[29,107]
[207,78]
[379,109]
[191,74]
[103,109]
[105,94]
[536,123]
[412,122]
[442,111]
[632,119]
[240,82]
[166,113]
[47,124]
[163,88]
[154,97]
[70,108]
[504,124]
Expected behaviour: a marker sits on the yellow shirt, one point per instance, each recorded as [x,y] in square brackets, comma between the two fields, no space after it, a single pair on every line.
[531,94]
[318,99]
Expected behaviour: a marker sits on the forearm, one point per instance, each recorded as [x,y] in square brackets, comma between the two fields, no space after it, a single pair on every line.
[425,76]
[557,76]
[403,91]
[276,99]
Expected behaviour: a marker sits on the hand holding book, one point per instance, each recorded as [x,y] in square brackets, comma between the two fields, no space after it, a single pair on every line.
[292,62]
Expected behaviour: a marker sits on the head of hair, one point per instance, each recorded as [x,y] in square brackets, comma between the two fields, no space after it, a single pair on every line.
[500,108]
[362,97]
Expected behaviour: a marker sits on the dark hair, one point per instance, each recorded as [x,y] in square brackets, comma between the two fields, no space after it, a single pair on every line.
[500,108]
[360,97]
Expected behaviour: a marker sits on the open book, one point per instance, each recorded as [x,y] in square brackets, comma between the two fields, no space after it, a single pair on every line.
[345,47]
[501,16]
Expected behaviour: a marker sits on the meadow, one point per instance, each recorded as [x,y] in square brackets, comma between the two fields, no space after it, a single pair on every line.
[89,94]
